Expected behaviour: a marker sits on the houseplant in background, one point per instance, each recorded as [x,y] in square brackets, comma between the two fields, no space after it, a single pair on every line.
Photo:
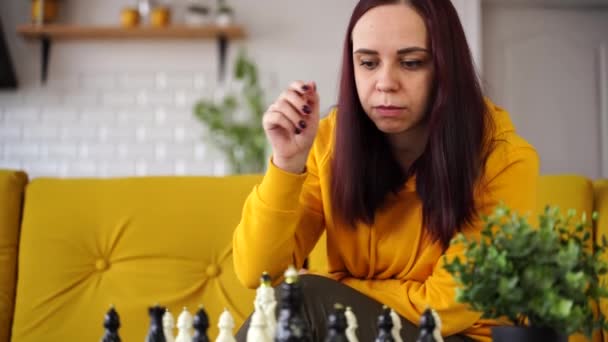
[234,119]
[542,279]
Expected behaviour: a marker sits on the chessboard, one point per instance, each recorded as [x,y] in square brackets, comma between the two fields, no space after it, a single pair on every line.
[265,326]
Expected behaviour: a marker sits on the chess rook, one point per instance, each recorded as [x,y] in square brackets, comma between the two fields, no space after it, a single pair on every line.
[155,333]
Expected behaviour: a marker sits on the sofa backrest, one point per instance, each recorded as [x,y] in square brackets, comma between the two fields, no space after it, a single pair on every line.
[12,187]
[601,206]
[87,244]
[566,192]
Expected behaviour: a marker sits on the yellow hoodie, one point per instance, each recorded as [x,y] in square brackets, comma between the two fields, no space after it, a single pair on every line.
[393,261]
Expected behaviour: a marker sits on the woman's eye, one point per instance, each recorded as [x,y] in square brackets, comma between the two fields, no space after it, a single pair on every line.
[411,64]
[368,64]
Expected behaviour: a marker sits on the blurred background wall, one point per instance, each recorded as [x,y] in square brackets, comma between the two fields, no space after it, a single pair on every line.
[116,108]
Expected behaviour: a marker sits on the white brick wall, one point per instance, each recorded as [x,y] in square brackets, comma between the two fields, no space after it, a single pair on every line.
[107,125]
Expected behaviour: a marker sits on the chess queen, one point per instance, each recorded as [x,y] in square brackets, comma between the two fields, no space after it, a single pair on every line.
[412,153]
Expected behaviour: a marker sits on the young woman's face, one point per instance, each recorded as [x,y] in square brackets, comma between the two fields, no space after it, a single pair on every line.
[393,67]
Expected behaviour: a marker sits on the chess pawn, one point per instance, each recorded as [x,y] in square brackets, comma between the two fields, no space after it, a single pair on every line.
[351,325]
[201,325]
[337,325]
[111,324]
[291,326]
[385,325]
[427,327]
[225,325]
[265,299]
[184,326]
[396,331]
[257,327]
[437,330]
[168,325]
[155,333]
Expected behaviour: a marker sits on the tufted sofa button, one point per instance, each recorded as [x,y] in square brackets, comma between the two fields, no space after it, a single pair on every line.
[213,271]
[101,265]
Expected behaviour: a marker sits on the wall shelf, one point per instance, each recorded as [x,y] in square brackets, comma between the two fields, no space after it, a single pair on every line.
[109,32]
[48,33]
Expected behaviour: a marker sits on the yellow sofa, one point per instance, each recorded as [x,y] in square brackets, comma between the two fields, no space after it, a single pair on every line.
[69,248]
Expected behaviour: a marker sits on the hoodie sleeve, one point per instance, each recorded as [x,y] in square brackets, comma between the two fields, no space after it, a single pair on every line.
[282,219]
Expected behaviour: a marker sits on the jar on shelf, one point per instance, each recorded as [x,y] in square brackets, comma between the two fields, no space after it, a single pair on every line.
[129,17]
[160,16]
[44,11]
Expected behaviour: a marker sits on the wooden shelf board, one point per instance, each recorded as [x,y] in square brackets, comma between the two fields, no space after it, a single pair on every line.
[55,31]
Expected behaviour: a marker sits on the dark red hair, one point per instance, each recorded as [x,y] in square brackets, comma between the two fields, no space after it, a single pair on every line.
[363,170]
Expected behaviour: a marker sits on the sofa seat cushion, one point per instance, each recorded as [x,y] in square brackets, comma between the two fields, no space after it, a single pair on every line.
[87,244]
[12,187]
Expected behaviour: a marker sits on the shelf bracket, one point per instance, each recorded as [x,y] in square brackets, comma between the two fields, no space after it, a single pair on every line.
[45,42]
[222,42]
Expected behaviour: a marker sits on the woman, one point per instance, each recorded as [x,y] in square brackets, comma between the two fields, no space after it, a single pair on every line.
[412,155]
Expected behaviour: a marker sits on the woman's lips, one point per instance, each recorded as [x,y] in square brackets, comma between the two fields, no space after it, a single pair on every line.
[389,111]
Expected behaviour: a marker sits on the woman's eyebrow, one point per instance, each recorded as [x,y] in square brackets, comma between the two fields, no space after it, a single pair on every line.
[403,51]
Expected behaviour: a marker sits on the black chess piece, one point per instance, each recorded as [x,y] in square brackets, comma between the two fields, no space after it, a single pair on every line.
[265,279]
[201,325]
[155,333]
[336,323]
[427,326]
[385,325]
[111,324]
[291,326]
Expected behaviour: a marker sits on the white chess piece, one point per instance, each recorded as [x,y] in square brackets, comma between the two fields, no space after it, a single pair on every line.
[437,330]
[225,325]
[266,300]
[168,325]
[351,325]
[396,331]
[184,326]
[257,328]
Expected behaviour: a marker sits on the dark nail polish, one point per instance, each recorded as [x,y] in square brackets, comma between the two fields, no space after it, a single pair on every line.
[306,109]
[302,124]
[305,87]
[298,131]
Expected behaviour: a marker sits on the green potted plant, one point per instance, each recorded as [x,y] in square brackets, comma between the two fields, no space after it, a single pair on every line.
[235,120]
[542,279]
